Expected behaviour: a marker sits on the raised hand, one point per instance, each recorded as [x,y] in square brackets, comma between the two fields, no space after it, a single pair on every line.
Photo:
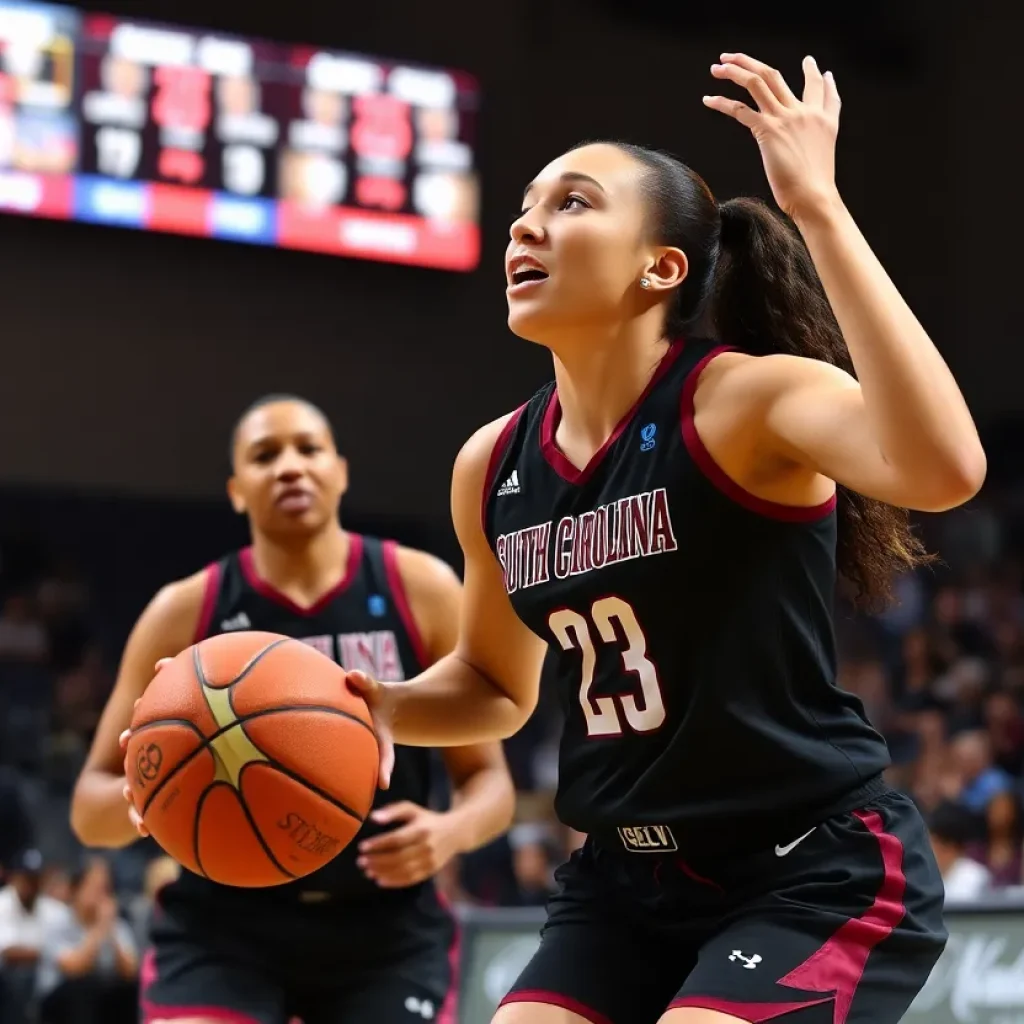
[797,137]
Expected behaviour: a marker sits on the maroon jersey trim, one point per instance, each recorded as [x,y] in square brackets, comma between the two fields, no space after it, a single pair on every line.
[545,998]
[732,490]
[148,975]
[553,416]
[389,553]
[449,1012]
[211,591]
[497,453]
[271,593]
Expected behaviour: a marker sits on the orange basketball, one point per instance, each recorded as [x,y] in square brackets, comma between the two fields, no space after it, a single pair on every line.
[251,761]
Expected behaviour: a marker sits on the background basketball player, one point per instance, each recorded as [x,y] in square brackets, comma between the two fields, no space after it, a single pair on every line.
[365,938]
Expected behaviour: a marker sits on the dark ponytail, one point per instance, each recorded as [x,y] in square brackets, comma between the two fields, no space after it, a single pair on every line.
[753,285]
[767,297]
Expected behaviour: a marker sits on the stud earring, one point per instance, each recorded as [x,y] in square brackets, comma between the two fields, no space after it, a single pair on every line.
[645,282]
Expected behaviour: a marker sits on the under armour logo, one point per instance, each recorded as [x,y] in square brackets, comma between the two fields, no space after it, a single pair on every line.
[423,1007]
[749,962]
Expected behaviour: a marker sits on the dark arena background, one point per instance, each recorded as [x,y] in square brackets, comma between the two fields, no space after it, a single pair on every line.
[152,289]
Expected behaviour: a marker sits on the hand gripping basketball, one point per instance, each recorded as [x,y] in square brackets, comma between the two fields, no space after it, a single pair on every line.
[380,699]
[133,811]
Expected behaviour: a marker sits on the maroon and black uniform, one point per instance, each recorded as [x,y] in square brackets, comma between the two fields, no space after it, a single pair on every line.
[331,948]
[743,852]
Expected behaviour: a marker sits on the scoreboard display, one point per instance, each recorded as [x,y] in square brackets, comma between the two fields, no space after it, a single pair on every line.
[161,128]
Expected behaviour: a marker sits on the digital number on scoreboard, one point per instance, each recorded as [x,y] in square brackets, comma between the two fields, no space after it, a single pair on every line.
[162,128]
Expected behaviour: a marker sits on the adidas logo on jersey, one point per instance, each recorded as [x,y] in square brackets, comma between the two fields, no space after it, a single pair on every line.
[511,485]
[239,621]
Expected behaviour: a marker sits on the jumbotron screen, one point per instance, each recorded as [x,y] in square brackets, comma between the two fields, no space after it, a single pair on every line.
[160,128]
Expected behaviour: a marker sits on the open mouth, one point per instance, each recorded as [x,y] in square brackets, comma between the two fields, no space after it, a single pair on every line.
[526,277]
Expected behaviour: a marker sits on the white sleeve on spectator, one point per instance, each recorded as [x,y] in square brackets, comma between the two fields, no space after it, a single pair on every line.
[967,880]
[8,926]
[61,931]
[529,833]
[124,937]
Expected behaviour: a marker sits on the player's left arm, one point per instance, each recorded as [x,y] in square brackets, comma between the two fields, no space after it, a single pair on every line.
[903,434]
[483,797]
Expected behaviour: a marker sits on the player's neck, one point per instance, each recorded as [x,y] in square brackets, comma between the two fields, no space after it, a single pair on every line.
[599,382]
[308,568]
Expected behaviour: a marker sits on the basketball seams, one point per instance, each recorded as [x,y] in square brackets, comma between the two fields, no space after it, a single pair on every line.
[196,827]
[197,663]
[186,723]
[259,835]
[305,783]
[205,745]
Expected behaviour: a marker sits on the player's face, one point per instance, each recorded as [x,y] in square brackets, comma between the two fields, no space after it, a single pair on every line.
[583,231]
[27,885]
[289,478]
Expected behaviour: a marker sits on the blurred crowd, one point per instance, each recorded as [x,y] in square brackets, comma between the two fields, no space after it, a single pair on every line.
[941,674]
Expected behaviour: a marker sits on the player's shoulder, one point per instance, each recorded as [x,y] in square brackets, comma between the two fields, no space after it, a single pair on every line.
[474,465]
[738,375]
[180,602]
[173,618]
[477,452]
[423,573]
[476,455]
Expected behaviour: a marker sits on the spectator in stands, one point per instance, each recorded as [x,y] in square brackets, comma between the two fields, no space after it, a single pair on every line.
[22,635]
[1006,730]
[57,883]
[159,872]
[89,964]
[26,915]
[950,827]
[78,698]
[954,632]
[987,793]
[532,861]
[62,600]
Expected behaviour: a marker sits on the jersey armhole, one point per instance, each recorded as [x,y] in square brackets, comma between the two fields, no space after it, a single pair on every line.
[497,452]
[389,555]
[717,476]
[211,591]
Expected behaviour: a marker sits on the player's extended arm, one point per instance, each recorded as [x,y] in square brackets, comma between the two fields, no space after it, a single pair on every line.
[99,814]
[483,797]
[904,434]
[488,686]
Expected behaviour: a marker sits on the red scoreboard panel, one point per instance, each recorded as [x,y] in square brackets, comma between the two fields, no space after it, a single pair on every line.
[163,128]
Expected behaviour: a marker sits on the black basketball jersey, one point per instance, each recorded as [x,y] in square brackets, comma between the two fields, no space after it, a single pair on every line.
[363,623]
[689,630]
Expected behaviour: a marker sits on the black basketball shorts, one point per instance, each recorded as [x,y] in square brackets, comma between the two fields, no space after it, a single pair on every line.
[186,977]
[839,926]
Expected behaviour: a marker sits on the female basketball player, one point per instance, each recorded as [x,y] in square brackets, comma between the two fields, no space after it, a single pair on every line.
[661,525]
[364,938]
